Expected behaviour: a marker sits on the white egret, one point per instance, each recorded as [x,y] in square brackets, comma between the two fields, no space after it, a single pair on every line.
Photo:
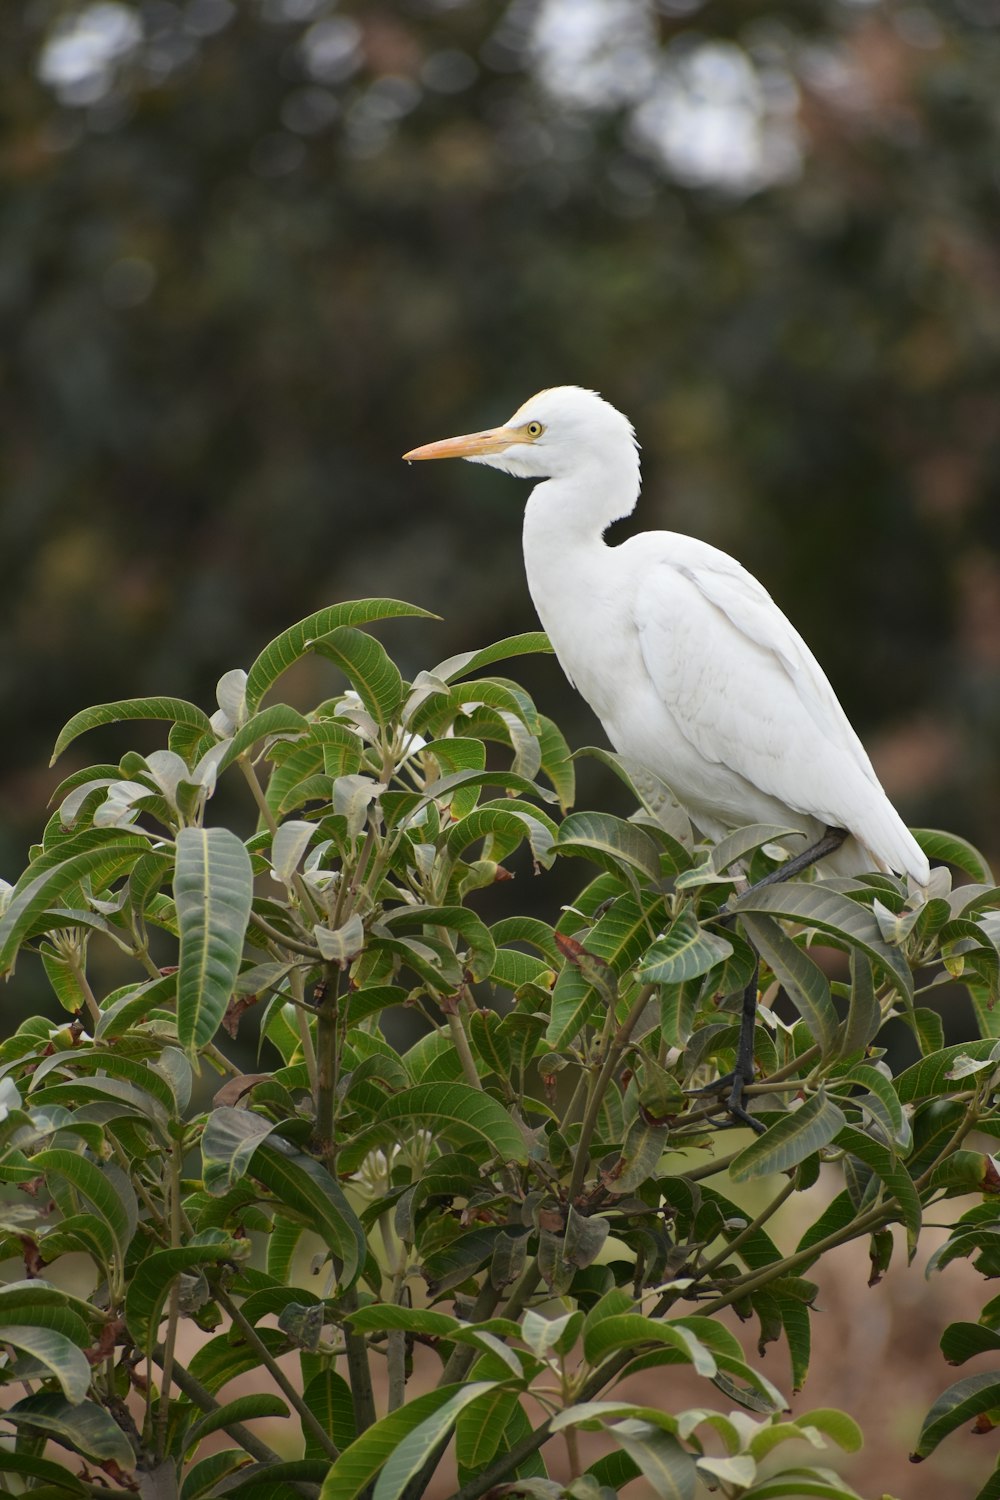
[691,667]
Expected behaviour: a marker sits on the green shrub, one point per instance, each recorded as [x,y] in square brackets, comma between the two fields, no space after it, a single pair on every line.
[529,1188]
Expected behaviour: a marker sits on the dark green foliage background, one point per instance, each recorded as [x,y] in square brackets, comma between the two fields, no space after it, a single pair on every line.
[811,367]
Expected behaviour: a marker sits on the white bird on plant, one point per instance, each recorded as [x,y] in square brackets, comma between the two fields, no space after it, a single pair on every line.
[689,664]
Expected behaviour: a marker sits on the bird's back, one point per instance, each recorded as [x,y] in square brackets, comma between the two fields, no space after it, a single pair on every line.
[697,674]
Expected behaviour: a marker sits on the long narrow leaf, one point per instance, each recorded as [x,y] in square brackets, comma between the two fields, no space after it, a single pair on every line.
[794,1137]
[959,1404]
[843,919]
[213,892]
[86,1428]
[305,1188]
[454,667]
[418,1446]
[102,863]
[56,1352]
[803,981]
[293,643]
[368,668]
[177,710]
[359,1463]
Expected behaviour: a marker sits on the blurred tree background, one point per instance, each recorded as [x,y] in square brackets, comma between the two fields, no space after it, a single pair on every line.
[252,252]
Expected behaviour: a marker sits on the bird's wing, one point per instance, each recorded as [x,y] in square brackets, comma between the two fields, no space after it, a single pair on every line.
[740,682]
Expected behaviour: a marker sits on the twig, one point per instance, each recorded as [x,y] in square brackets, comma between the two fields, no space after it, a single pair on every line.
[281,1380]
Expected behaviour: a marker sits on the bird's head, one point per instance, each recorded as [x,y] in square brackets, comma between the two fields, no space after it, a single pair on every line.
[553,435]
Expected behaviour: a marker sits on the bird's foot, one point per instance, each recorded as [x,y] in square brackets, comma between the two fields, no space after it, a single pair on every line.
[734,1083]
[738,1110]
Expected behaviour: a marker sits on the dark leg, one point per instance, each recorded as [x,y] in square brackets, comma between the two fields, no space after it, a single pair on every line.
[828,844]
[743,1073]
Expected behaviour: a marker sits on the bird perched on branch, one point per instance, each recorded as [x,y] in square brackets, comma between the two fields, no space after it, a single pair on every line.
[689,664]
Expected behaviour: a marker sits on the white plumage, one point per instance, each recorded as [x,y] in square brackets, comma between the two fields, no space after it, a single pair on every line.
[691,667]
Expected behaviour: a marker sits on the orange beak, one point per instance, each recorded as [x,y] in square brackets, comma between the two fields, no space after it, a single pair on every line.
[472,445]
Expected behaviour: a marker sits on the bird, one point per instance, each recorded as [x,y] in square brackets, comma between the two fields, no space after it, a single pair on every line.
[695,673]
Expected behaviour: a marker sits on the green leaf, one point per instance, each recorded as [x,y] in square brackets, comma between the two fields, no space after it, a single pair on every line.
[85,1234]
[817,905]
[802,1484]
[56,1352]
[359,1463]
[279,719]
[631,1331]
[203,1477]
[803,981]
[618,938]
[481,1427]
[668,1467]
[454,667]
[328,1397]
[790,1140]
[740,1470]
[177,710]
[959,1404]
[881,1102]
[685,951]
[287,648]
[641,1151]
[223,1358]
[304,1186]
[961,1341]
[86,1428]
[610,842]
[31,1467]
[948,847]
[557,761]
[482,949]
[213,893]
[110,854]
[929,1077]
[278,1481]
[420,1444]
[342,944]
[895,1177]
[864,1015]
[457,1111]
[154,1276]
[94,1186]
[35,1295]
[654,797]
[379,1317]
[368,667]
[242,1409]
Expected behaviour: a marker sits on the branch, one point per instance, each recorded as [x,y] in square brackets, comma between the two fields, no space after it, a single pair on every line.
[281,1380]
[206,1402]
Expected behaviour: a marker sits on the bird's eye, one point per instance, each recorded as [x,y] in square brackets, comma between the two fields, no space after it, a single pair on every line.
[534,429]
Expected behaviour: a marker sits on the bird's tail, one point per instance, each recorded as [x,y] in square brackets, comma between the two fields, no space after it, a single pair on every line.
[891,844]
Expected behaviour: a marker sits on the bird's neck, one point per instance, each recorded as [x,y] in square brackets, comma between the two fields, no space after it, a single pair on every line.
[565,555]
[576,509]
